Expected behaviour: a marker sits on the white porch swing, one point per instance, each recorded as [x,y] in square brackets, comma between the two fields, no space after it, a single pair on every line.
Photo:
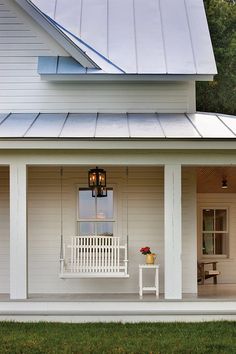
[92,256]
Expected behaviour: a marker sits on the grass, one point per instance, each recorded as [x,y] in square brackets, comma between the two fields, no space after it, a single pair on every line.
[95,338]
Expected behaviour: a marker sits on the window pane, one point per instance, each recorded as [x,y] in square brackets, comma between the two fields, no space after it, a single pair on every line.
[208,244]
[220,221]
[105,206]
[220,243]
[86,228]
[86,204]
[208,220]
[104,229]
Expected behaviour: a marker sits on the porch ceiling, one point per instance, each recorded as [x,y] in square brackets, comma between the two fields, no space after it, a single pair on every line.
[116,126]
[209,179]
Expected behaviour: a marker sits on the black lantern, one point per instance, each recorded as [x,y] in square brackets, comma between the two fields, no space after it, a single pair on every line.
[224,184]
[97,182]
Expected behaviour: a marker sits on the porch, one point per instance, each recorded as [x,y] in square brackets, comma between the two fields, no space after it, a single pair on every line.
[206,292]
[214,302]
[140,212]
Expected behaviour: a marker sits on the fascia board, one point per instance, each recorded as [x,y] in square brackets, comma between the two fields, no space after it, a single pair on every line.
[57,34]
[124,77]
[184,145]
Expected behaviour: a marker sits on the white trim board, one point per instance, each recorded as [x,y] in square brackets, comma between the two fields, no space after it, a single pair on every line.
[167,311]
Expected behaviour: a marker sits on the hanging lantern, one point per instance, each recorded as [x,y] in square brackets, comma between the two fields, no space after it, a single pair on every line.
[97,182]
[224,184]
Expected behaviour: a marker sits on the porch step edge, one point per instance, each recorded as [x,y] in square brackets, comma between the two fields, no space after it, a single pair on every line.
[117,313]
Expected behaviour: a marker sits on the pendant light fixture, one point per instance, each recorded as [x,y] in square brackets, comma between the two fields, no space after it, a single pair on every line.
[224,184]
[97,182]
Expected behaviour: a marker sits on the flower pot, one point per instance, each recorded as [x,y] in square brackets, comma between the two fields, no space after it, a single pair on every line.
[150,258]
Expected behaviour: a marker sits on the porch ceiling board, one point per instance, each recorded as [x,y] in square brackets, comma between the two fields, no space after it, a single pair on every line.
[117,126]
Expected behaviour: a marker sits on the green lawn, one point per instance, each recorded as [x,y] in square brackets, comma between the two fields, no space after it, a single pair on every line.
[208,337]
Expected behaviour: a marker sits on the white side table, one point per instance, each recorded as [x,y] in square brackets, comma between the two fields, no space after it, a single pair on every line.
[148,288]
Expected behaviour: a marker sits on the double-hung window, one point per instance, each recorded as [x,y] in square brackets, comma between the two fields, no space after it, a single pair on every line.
[95,215]
[214,229]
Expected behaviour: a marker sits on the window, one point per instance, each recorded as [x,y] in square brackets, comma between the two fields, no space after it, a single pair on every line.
[95,215]
[214,231]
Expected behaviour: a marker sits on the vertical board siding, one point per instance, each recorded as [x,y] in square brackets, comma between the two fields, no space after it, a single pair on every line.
[4,234]
[226,266]
[140,193]
[22,90]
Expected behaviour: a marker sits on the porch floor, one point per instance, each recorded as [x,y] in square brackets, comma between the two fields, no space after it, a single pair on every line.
[214,302]
[209,292]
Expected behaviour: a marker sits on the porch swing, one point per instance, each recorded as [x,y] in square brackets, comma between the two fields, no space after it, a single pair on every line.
[89,256]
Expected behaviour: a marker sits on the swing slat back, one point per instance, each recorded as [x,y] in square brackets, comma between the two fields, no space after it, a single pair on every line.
[96,255]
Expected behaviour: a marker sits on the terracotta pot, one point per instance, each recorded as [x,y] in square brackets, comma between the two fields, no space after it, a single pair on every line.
[150,258]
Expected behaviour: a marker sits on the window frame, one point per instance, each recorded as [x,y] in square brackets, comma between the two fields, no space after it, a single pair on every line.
[114,220]
[227,232]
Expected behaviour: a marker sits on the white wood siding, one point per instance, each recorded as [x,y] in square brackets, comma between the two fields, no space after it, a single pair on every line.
[226,266]
[21,90]
[4,231]
[145,203]
[142,195]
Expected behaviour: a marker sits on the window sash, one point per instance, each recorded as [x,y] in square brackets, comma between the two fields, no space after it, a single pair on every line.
[96,222]
[96,218]
[211,244]
[214,233]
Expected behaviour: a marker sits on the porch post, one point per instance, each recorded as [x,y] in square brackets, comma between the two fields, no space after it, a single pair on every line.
[173,232]
[18,231]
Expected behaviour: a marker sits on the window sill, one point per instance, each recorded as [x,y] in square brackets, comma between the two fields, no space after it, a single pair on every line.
[223,258]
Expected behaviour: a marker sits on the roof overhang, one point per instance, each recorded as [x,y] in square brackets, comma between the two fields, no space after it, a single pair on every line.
[99,77]
[66,130]
[176,145]
[52,68]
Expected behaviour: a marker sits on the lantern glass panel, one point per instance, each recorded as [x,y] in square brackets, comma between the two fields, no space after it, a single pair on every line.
[97,177]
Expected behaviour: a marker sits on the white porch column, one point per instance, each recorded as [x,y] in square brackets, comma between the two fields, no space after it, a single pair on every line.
[173,232]
[18,231]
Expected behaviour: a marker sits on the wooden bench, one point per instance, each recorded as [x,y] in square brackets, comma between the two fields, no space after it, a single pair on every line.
[207,273]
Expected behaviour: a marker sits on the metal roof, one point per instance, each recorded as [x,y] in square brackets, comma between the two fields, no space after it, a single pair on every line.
[137,36]
[116,126]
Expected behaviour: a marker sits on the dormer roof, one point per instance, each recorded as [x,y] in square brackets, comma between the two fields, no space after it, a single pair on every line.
[142,37]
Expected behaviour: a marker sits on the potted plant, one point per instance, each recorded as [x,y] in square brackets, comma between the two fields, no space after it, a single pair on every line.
[150,257]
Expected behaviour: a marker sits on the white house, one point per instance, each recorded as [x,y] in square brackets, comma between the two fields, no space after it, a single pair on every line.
[86,83]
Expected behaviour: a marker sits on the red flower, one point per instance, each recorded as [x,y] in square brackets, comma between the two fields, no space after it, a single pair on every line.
[145,250]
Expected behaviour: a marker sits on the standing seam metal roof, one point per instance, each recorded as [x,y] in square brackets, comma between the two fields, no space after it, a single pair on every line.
[112,126]
[138,36]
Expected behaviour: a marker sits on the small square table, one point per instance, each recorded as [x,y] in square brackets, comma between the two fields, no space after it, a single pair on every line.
[156,282]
